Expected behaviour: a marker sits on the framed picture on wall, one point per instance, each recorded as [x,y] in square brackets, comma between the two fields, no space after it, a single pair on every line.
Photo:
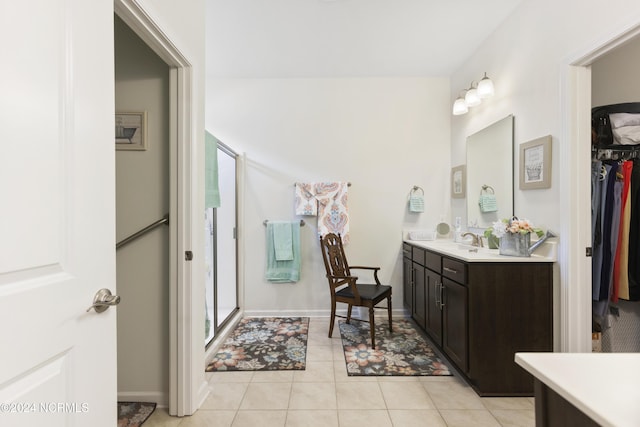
[458,182]
[131,131]
[535,163]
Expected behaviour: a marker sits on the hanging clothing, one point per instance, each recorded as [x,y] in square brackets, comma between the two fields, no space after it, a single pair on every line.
[621,264]
[602,242]
[634,234]
[615,209]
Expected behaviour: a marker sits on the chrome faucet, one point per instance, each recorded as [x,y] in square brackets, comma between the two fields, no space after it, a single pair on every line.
[477,240]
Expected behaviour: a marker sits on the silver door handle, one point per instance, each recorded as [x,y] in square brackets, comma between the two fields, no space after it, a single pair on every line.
[103,300]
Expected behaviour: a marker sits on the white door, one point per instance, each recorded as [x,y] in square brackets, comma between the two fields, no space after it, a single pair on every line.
[57,221]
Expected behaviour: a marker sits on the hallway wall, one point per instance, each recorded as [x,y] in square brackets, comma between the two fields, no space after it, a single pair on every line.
[142,197]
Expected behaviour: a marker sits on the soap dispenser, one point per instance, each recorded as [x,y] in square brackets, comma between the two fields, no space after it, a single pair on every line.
[457,234]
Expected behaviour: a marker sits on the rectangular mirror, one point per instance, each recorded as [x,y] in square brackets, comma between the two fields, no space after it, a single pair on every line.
[490,174]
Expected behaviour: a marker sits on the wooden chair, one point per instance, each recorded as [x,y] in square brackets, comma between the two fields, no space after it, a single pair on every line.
[345,288]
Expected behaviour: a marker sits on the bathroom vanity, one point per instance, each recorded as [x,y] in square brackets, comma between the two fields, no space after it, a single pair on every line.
[480,308]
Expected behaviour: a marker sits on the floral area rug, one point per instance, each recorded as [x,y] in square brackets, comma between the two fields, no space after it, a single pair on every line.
[264,344]
[403,352]
[134,414]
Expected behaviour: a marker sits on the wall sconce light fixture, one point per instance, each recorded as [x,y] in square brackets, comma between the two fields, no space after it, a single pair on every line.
[459,105]
[485,87]
[473,96]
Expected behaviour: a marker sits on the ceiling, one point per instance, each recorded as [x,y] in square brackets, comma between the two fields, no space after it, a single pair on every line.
[347,38]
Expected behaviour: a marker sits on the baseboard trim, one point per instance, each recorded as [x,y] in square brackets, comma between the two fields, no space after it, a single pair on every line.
[203,393]
[212,349]
[379,312]
[161,399]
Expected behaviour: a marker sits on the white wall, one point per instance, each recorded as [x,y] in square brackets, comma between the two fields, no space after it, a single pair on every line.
[528,58]
[142,197]
[614,77]
[383,135]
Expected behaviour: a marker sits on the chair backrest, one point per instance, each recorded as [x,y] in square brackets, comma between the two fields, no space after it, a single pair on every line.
[335,261]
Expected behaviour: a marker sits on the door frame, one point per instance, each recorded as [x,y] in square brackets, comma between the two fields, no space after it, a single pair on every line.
[575,190]
[221,327]
[186,392]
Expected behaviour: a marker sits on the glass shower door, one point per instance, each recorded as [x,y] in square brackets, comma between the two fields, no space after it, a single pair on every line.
[221,290]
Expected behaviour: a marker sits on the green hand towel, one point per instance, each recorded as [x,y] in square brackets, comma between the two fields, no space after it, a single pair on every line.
[282,241]
[284,271]
[211,189]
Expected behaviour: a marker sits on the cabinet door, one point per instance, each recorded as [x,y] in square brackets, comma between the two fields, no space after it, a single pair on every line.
[407,283]
[419,309]
[455,326]
[434,310]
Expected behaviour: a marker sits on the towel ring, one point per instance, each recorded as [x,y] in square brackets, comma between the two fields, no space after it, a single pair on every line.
[486,188]
[415,189]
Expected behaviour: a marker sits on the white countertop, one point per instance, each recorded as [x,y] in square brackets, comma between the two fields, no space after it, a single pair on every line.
[547,252]
[605,386]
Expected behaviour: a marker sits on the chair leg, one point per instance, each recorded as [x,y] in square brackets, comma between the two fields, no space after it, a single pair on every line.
[372,326]
[389,310]
[349,313]
[333,318]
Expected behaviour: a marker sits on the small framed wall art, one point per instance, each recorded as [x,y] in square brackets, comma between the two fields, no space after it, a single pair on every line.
[131,131]
[535,164]
[458,182]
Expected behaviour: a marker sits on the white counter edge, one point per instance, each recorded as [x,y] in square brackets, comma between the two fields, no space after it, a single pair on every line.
[586,393]
[547,252]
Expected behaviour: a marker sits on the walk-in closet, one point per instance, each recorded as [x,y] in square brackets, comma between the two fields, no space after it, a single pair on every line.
[615,196]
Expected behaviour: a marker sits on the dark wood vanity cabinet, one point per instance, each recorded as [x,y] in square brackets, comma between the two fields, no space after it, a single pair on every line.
[407,278]
[481,313]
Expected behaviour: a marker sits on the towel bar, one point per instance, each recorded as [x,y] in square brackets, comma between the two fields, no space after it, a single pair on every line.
[348,184]
[266,221]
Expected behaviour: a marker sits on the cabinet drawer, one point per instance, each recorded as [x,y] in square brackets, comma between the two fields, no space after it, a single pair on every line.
[454,270]
[419,255]
[433,261]
[406,250]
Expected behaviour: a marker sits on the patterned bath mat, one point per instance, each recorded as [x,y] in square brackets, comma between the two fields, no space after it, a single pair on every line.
[401,353]
[264,344]
[134,414]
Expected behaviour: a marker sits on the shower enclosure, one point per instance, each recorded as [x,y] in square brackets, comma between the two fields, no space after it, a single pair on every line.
[221,286]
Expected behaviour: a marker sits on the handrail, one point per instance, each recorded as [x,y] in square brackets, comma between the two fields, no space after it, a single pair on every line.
[134,236]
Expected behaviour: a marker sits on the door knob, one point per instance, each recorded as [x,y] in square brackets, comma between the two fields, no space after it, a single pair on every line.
[103,300]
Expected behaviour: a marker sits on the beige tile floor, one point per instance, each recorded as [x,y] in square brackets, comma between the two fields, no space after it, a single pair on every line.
[324,395]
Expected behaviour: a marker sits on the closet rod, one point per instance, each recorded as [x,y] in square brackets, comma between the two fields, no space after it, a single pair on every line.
[613,152]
